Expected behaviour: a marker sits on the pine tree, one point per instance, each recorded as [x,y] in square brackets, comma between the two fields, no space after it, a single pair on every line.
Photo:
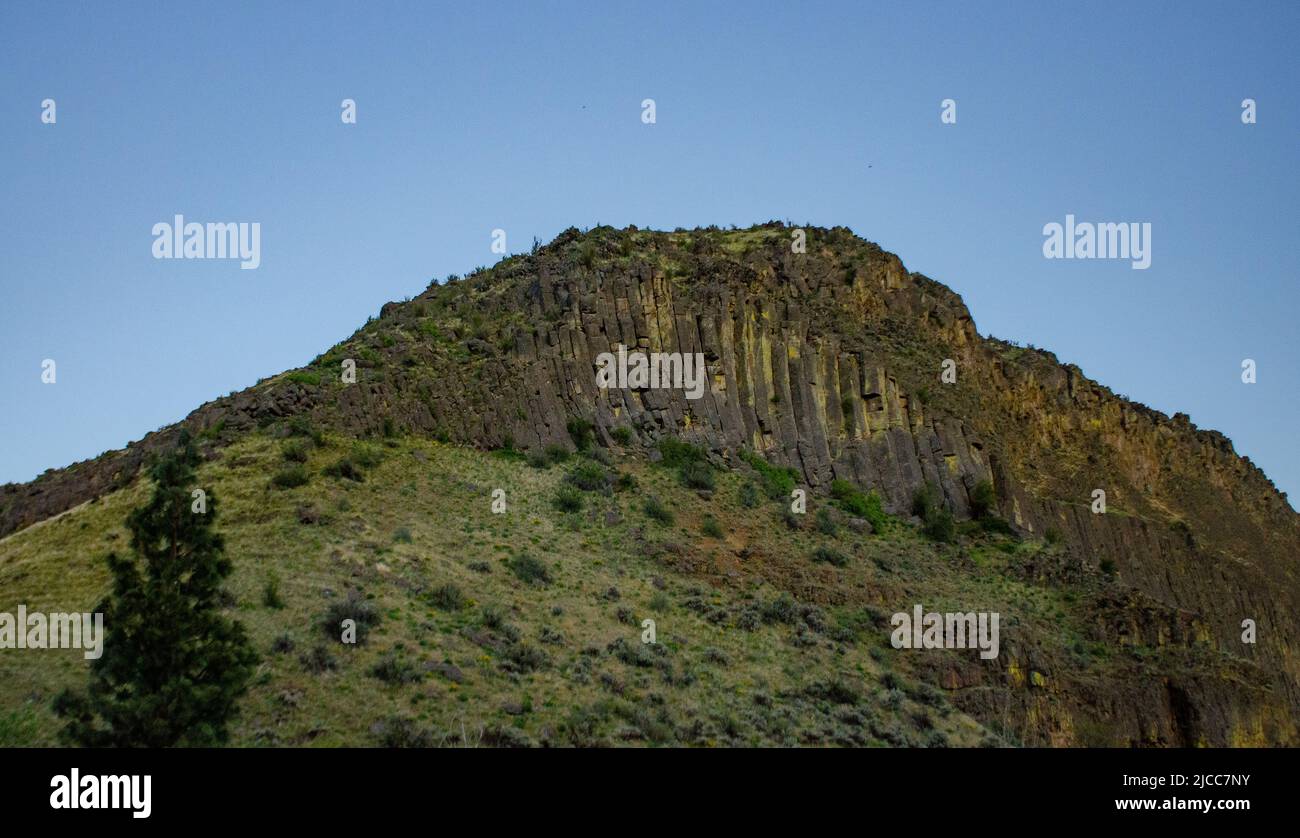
[173,665]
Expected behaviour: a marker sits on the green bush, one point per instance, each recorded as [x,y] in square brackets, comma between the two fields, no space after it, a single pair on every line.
[826,523]
[301,426]
[581,432]
[939,525]
[402,732]
[697,475]
[555,453]
[1053,535]
[290,477]
[311,379]
[346,469]
[748,495]
[271,593]
[983,501]
[677,453]
[924,499]
[777,481]
[355,608]
[367,456]
[295,450]
[589,476]
[834,557]
[394,669]
[852,500]
[711,527]
[568,499]
[529,569]
[994,524]
[622,434]
[656,510]
[447,597]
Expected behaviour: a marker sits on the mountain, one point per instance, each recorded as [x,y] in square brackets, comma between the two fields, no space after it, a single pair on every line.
[825,370]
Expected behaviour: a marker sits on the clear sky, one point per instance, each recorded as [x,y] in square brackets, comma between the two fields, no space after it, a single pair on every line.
[527,117]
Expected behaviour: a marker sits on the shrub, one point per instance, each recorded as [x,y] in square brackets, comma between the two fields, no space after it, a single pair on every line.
[711,528]
[589,476]
[402,535]
[290,477]
[850,497]
[311,379]
[568,499]
[748,495]
[295,450]
[555,453]
[622,435]
[365,455]
[524,658]
[402,732]
[271,593]
[994,524]
[677,453]
[1053,535]
[777,481]
[939,525]
[657,511]
[581,432]
[697,475]
[354,607]
[983,501]
[447,597]
[394,669]
[301,426]
[318,660]
[833,557]
[1108,567]
[529,569]
[345,469]
[826,522]
[923,500]
[852,500]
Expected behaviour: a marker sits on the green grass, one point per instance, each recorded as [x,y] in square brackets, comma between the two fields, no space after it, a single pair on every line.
[415,555]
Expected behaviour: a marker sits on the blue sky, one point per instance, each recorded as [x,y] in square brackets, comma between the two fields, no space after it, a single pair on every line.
[527,118]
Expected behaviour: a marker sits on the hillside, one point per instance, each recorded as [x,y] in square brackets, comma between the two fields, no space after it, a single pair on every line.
[1121,628]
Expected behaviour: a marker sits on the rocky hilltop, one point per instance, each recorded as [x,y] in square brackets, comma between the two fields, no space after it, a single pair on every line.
[829,362]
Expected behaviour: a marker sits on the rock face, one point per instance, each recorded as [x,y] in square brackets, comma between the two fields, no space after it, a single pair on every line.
[828,361]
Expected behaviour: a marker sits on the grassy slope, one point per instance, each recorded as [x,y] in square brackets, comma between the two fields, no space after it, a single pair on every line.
[534,662]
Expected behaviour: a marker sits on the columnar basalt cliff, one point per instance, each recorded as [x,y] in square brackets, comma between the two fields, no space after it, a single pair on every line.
[829,362]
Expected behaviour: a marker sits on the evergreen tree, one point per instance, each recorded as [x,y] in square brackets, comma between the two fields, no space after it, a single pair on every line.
[173,666]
